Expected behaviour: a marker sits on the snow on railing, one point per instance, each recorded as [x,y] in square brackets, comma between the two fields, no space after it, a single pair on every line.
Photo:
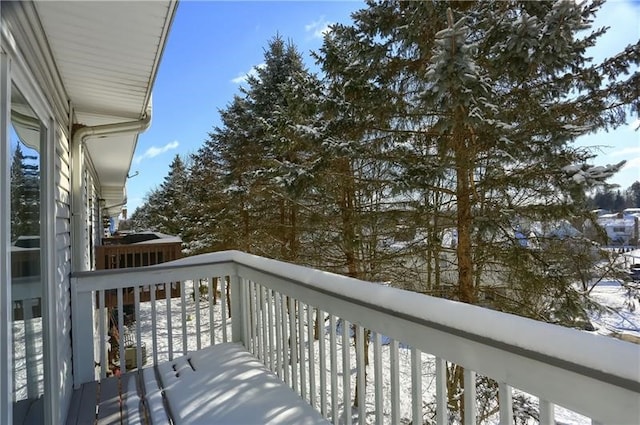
[312,328]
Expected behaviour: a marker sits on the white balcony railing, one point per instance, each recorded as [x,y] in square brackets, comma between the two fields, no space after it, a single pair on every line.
[414,339]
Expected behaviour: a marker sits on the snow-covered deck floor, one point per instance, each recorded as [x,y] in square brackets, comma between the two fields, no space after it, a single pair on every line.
[222,384]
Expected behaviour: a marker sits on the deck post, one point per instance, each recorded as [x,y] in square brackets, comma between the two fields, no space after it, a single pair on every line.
[238,310]
[82,333]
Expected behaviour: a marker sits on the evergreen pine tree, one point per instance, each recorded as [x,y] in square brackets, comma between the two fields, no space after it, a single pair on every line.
[25,194]
[174,198]
[165,208]
[265,156]
[480,103]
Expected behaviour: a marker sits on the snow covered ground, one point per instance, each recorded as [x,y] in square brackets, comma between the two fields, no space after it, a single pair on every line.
[623,313]
[622,306]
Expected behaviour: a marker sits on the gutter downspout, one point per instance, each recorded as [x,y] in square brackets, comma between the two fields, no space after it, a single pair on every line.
[78,139]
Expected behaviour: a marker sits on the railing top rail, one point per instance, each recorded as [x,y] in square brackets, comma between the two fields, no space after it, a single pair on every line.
[566,348]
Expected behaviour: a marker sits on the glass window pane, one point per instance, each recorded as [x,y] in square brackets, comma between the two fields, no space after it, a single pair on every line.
[26,283]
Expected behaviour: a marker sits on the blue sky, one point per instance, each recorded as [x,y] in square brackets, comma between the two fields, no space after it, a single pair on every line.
[212,45]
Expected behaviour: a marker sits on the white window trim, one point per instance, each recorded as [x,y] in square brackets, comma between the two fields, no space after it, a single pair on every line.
[6,378]
[13,69]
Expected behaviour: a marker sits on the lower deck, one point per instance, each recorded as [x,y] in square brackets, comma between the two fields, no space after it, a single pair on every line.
[221,384]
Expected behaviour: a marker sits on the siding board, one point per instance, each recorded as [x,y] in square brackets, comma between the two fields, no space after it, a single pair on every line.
[63,269]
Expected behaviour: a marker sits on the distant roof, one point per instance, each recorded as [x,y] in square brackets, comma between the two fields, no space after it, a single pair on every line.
[150,238]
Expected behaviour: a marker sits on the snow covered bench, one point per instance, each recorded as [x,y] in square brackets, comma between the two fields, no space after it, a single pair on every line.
[222,384]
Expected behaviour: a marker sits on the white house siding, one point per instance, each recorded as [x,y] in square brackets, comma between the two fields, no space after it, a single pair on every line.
[92,208]
[64,256]
[30,57]
[620,230]
[37,72]
[63,270]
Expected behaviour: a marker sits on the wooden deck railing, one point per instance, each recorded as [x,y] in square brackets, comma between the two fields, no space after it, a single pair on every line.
[136,255]
[309,327]
[123,256]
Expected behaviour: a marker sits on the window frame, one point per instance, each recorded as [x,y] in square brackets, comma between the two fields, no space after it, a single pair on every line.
[14,71]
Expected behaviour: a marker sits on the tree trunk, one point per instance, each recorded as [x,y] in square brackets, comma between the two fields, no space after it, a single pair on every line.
[464,217]
[348,224]
[215,290]
[316,325]
[367,335]
[455,390]
[293,233]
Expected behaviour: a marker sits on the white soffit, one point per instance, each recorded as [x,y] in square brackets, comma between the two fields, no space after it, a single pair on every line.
[107,54]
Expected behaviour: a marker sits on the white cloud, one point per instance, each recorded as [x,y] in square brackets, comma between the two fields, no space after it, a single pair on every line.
[154,151]
[319,28]
[632,163]
[242,78]
[627,151]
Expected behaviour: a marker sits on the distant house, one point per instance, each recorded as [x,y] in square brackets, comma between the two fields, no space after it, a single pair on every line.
[621,228]
[631,212]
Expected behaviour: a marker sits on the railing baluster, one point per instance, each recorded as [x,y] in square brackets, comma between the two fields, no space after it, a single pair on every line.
[246,321]
[346,371]
[102,311]
[394,372]
[286,362]
[223,305]
[360,377]
[469,397]
[301,344]
[547,413]
[270,319]
[136,306]
[264,327]
[196,298]
[248,314]
[250,317]
[278,314]
[323,362]
[211,291]
[120,331]
[333,352]
[441,391]
[293,344]
[377,376]
[258,312]
[312,359]
[416,385]
[183,302]
[168,286]
[254,318]
[31,351]
[154,322]
[259,324]
[506,404]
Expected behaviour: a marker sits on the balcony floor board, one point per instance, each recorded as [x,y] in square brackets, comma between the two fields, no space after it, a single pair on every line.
[221,384]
